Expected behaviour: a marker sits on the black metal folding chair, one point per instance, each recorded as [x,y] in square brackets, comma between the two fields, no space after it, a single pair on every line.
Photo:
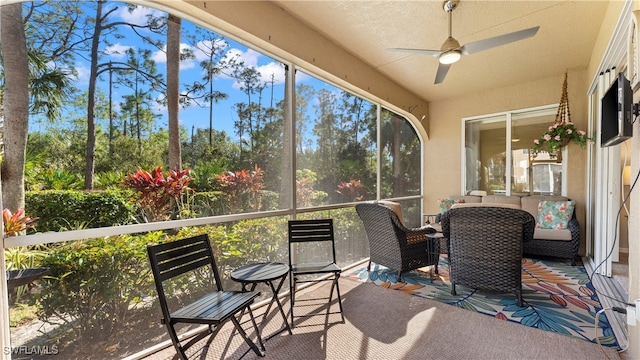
[322,264]
[213,309]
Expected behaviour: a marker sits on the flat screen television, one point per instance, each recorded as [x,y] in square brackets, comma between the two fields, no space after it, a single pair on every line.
[616,118]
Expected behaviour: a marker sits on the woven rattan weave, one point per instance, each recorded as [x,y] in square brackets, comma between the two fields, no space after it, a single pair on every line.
[485,247]
[393,245]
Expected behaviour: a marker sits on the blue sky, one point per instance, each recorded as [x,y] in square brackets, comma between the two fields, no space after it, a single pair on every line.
[189,71]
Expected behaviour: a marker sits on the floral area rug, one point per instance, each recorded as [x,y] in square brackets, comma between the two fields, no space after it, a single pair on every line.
[557,297]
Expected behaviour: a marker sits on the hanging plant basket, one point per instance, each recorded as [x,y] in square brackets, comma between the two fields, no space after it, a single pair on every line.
[561,132]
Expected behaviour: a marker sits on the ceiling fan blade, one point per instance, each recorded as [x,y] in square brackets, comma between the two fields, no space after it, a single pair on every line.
[442,72]
[500,40]
[435,53]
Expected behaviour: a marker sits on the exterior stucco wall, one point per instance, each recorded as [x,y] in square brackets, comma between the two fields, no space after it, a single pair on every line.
[443,149]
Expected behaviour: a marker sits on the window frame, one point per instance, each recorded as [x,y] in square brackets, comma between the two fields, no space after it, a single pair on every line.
[508,118]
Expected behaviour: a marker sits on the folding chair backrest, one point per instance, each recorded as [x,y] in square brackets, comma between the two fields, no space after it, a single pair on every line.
[312,230]
[189,257]
[178,257]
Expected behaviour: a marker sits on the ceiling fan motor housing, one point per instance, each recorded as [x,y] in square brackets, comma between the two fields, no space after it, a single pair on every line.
[450,44]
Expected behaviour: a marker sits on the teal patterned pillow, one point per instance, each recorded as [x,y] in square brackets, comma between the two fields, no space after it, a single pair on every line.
[446,204]
[554,214]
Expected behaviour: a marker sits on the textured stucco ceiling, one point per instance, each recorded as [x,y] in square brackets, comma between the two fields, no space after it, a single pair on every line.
[568,31]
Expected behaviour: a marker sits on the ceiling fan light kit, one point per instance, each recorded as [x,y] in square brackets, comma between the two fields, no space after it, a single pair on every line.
[451,51]
[449,57]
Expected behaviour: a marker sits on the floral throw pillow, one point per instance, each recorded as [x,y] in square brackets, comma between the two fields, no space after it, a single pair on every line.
[554,214]
[446,204]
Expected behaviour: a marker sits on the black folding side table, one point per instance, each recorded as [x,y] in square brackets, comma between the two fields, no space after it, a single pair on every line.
[264,273]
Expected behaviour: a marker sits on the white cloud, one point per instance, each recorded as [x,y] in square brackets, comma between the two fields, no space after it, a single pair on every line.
[117,51]
[272,69]
[160,57]
[139,15]
[219,45]
[250,59]
[83,72]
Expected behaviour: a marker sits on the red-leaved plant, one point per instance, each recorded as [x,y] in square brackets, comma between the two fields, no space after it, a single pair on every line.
[352,190]
[17,222]
[157,192]
[242,187]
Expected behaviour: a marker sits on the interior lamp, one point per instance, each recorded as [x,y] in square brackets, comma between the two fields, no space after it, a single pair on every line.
[626,176]
[449,57]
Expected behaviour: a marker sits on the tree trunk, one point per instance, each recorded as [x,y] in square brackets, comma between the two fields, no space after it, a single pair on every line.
[110,109]
[91,102]
[173,70]
[16,105]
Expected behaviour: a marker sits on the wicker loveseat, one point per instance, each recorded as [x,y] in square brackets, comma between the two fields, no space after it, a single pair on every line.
[562,243]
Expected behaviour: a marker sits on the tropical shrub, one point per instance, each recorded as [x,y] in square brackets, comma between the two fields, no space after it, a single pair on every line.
[264,239]
[208,203]
[204,175]
[225,244]
[108,180]
[306,194]
[15,223]
[241,189]
[255,240]
[56,179]
[157,193]
[65,210]
[94,286]
[352,190]
[19,257]
[269,200]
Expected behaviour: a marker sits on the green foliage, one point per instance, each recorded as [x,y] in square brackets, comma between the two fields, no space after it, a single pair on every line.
[93,286]
[221,153]
[266,239]
[305,183]
[59,210]
[128,154]
[269,200]
[23,257]
[50,179]
[559,135]
[204,175]
[108,180]
[207,203]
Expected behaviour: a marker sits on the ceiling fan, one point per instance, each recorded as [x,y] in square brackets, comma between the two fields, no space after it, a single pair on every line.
[451,51]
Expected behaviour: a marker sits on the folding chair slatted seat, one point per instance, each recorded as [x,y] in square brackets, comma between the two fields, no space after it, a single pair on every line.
[317,231]
[213,309]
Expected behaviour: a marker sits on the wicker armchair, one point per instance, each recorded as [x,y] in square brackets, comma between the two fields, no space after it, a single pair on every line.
[393,245]
[485,247]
